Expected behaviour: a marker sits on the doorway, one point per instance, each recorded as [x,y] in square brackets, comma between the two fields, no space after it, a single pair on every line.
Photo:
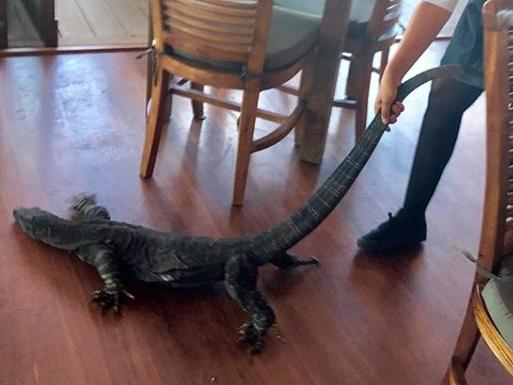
[73,23]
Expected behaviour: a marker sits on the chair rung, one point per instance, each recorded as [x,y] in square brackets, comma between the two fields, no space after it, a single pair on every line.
[182,81]
[288,90]
[351,104]
[345,56]
[223,103]
[282,131]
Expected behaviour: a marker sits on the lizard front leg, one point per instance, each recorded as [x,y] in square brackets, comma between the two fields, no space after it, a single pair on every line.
[84,207]
[106,263]
[240,282]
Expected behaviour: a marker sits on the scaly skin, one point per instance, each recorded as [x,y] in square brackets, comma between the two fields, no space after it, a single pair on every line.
[187,261]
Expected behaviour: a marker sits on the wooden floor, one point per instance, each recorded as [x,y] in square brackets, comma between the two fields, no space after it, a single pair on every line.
[76,123]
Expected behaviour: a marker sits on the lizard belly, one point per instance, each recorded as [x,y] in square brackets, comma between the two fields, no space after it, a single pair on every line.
[175,263]
[182,277]
[193,277]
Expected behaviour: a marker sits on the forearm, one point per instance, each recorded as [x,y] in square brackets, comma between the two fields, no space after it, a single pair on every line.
[108,268]
[426,22]
[106,263]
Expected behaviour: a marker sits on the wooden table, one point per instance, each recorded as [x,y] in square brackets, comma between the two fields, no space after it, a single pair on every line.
[319,82]
[321,79]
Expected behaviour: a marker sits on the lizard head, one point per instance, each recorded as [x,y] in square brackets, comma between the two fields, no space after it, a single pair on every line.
[34,222]
[50,229]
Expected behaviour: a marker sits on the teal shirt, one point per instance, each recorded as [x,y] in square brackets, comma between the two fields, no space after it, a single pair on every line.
[466,46]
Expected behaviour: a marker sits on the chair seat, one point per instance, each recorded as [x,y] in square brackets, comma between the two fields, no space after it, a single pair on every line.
[291,36]
[498,298]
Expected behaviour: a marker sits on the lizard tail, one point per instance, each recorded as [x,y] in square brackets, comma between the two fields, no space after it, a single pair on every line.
[325,199]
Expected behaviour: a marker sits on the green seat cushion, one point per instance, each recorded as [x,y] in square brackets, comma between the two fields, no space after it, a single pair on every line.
[291,35]
[315,7]
[498,298]
[361,10]
[359,15]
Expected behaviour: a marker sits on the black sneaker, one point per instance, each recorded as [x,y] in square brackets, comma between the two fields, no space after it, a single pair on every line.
[399,231]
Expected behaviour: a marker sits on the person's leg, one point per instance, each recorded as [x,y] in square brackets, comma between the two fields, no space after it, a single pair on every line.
[448,100]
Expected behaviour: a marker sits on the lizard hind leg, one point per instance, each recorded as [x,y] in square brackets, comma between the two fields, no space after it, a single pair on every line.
[85,208]
[240,282]
[287,261]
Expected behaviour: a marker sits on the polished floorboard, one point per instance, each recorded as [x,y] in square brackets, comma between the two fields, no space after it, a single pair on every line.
[74,123]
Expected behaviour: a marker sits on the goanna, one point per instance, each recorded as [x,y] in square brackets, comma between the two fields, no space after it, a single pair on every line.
[187,261]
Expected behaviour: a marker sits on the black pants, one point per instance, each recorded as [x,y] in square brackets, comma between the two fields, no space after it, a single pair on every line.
[448,100]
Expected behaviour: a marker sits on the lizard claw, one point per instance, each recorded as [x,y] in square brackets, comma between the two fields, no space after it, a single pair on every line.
[246,333]
[249,335]
[128,294]
[107,300]
[290,261]
[308,261]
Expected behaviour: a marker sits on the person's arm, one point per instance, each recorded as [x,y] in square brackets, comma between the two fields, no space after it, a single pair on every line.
[427,21]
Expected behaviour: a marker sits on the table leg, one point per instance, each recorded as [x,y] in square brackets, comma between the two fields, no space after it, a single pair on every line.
[319,80]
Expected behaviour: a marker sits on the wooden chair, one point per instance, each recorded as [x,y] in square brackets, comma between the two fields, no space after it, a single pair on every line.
[490,308]
[250,45]
[363,43]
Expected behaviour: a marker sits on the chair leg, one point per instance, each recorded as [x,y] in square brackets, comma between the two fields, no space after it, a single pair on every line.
[168,109]
[155,121]
[352,86]
[197,107]
[245,148]
[298,136]
[465,347]
[357,88]
[383,62]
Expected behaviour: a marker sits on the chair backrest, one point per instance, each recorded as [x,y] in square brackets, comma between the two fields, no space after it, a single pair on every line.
[383,22]
[497,225]
[218,30]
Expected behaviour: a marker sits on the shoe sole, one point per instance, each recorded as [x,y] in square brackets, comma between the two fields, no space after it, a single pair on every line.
[380,248]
